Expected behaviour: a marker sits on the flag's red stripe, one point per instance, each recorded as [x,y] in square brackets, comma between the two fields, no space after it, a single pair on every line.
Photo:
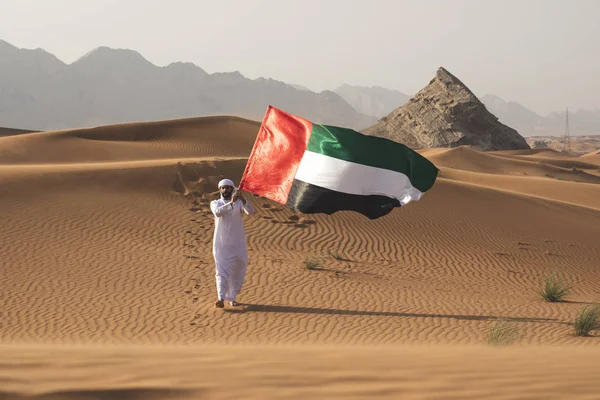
[278,149]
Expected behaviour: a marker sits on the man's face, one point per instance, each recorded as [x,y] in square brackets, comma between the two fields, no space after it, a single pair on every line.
[226,191]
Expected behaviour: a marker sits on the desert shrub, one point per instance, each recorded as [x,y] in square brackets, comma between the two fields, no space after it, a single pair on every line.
[503,333]
[554,289]
[587,320]
[311,264]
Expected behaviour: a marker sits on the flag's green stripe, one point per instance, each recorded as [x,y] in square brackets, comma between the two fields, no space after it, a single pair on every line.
[347,144]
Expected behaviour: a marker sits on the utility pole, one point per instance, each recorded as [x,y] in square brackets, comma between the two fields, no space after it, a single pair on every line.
[567,140]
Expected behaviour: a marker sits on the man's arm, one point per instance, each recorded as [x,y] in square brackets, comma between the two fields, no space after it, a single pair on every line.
[220,211]
[246,206]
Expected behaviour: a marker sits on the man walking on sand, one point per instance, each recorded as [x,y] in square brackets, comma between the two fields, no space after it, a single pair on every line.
[229,242]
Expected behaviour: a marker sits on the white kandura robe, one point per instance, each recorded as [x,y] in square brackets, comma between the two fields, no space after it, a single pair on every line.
[229,246]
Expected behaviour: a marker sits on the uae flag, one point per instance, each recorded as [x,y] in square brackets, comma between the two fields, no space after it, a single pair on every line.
[315,168]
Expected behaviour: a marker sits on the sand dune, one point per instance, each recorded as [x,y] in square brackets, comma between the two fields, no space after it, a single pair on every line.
[548,157]
[12,131]
[193,137]
[332,372]
[592,158]
[541,153]
[106,238]
[584,194]
[467,159]
[593,153]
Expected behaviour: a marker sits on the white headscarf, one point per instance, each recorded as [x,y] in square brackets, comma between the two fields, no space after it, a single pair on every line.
[226,182]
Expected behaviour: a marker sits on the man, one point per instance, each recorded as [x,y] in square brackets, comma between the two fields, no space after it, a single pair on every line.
[229,242]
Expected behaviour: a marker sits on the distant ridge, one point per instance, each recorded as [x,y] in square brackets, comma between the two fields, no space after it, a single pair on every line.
[111,86]
[13,131]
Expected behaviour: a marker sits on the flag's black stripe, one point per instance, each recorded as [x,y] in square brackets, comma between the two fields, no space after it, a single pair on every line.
[311,199]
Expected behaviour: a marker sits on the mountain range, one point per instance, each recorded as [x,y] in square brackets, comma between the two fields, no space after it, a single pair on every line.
[528,123]
[108,86]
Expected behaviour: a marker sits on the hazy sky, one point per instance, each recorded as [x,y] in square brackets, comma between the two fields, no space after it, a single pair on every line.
[543,54]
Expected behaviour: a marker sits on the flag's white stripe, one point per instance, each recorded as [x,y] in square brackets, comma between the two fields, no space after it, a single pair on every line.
[352,178]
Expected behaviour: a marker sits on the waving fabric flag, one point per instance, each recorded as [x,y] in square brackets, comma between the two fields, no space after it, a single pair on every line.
[315,168]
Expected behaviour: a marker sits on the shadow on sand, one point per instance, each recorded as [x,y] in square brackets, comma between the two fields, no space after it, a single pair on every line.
[106,394]
[245,308]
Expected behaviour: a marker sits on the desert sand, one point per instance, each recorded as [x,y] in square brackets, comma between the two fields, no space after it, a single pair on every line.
[592,158]
[108,291]
[580,144]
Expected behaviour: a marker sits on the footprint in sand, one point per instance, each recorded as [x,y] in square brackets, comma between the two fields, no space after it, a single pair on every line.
[196,320]
[297,222]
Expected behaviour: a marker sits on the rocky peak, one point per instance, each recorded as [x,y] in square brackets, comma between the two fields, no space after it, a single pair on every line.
[446,113]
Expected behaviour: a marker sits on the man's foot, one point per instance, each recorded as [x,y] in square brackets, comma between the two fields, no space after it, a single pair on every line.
[219,304]
[234,303]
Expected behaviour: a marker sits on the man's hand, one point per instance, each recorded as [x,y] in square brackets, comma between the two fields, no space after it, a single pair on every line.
[238,196]
[241,197]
